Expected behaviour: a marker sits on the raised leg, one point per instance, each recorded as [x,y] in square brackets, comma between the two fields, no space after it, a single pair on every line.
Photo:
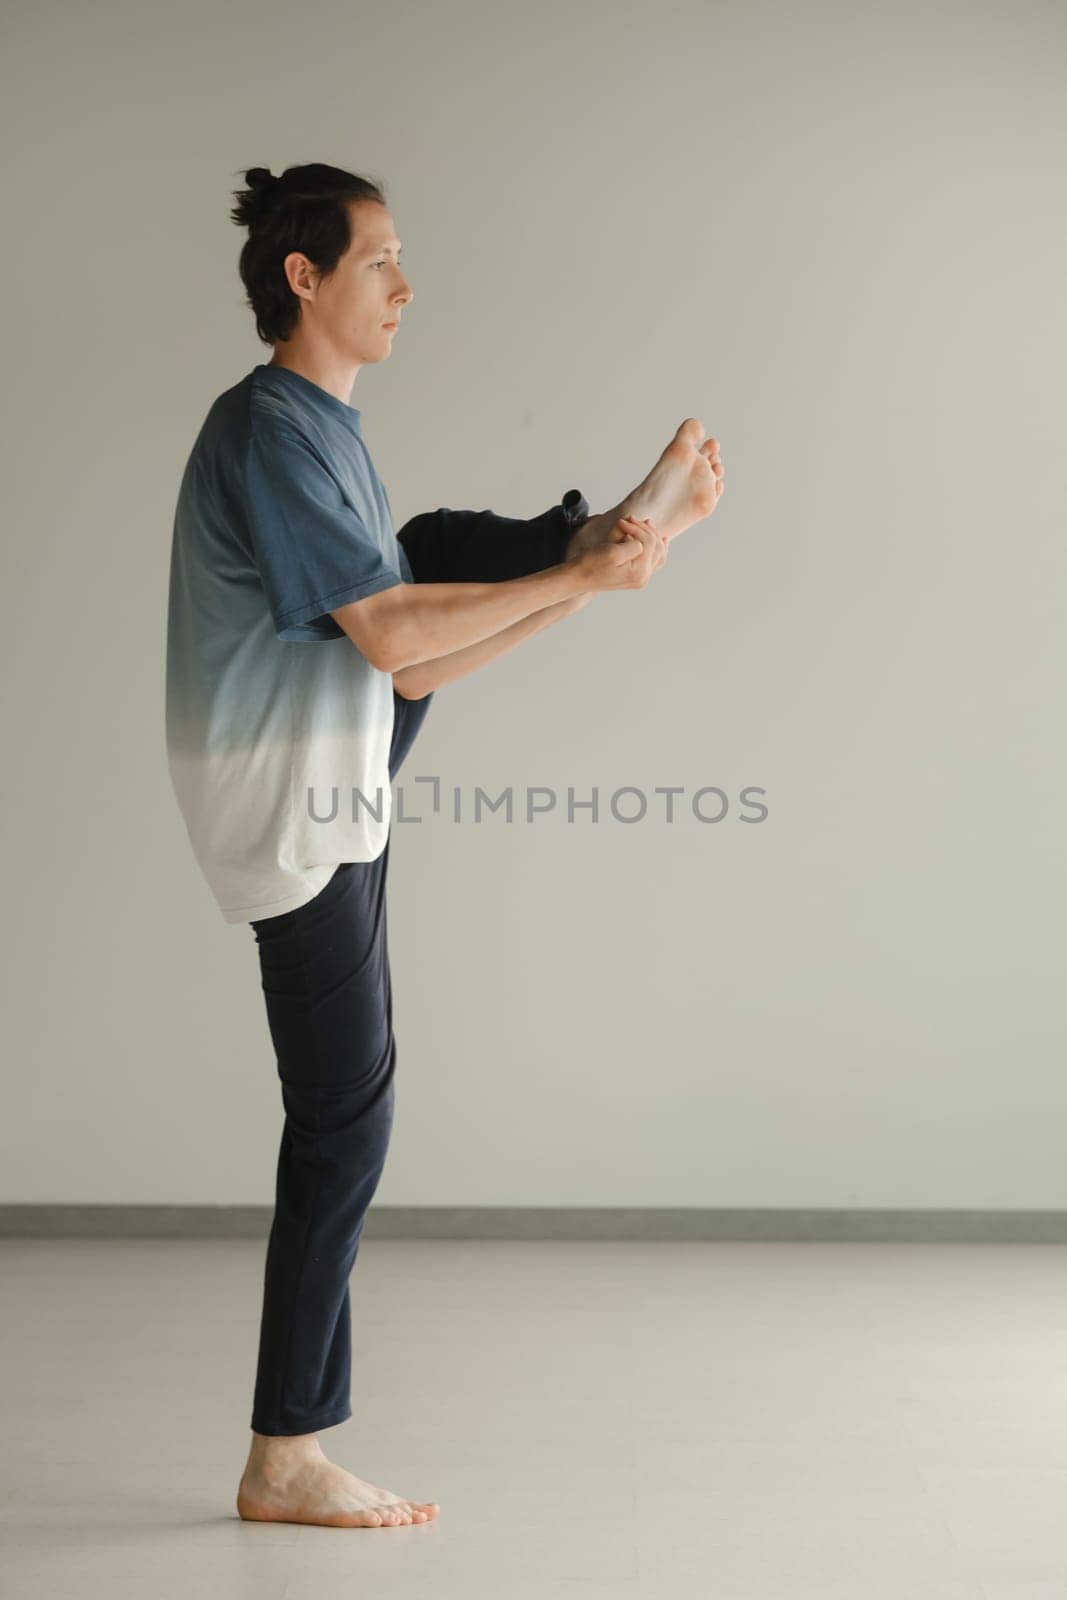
[447,546]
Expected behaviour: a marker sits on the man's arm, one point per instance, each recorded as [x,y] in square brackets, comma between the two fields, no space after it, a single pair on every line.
[411,623]
[415,682]
[446,546]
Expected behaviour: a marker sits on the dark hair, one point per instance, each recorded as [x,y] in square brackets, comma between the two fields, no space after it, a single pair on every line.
[305,209]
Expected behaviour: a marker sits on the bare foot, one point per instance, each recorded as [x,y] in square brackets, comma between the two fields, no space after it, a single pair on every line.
[683,487]
[311,1488]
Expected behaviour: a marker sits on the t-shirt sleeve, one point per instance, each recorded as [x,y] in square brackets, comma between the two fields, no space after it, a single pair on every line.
[312,548]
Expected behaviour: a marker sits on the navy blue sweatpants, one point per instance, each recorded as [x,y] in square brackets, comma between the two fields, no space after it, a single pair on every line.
[325,977]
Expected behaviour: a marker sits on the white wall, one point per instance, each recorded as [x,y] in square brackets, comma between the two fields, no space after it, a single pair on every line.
[835,234]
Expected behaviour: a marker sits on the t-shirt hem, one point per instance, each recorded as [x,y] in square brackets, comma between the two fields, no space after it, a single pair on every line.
[275,908]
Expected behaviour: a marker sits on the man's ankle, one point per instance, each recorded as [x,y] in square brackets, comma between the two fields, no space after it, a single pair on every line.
[285,1446]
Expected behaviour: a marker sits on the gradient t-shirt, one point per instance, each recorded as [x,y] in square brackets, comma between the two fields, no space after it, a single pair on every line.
[278,728]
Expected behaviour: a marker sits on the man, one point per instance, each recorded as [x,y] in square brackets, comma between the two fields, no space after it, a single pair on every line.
[305,640]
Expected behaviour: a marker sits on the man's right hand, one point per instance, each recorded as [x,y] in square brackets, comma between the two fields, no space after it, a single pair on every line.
[629,556]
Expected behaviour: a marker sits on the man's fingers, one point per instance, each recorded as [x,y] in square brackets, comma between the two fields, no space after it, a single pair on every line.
[633,537]
[637,538]
[642,530]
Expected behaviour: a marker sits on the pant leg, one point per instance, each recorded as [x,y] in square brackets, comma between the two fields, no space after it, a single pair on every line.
[446,546]
[327,982]
[408,718]
[325,976]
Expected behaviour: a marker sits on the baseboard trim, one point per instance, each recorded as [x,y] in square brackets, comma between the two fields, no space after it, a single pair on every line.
[547,1222]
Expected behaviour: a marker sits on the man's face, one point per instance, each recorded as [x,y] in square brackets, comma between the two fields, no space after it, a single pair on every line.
[351,307]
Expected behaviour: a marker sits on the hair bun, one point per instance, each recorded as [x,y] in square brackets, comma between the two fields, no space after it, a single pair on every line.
[256,202]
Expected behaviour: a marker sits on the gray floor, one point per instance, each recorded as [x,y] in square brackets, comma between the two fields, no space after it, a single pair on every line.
[722,1421]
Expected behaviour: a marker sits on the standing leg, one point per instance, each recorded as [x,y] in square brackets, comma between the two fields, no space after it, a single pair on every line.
[325,976]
